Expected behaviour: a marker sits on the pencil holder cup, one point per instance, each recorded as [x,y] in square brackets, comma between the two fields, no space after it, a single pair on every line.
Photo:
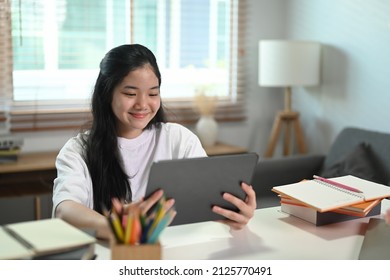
[135,252]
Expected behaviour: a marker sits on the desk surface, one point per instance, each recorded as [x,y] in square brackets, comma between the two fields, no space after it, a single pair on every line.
[31,162]
[271,235]
[223,149]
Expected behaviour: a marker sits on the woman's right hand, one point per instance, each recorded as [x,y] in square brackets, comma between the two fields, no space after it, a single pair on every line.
[144,205]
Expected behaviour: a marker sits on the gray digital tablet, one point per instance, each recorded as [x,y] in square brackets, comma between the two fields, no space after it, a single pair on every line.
[197,184]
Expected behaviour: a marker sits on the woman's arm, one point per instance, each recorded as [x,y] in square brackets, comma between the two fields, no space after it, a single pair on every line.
[81,216]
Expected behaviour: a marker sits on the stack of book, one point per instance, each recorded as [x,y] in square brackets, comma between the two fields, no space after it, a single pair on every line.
[45,239]
[10,148]
[324,201]
[307,213]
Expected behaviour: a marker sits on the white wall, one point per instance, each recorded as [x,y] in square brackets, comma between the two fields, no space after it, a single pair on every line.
[265,20]
[355,72]
[355,89]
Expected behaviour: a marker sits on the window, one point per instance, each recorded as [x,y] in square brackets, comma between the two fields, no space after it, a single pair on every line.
[57,46]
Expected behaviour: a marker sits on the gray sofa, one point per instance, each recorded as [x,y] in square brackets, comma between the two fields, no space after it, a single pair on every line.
[355,151]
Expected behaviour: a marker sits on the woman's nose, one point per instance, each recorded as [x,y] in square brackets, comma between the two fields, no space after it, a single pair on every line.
[140,102]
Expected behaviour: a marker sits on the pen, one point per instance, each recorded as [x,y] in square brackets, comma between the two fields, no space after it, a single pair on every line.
[145,230]
[107,214]
[129,225]
[342,186]
[117,225]
[136,230]
[158,229]
[160,212]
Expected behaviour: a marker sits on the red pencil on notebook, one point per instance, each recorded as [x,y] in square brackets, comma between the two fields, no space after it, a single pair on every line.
[337,184]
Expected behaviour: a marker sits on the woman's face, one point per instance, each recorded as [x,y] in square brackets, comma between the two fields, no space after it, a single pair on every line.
[136,101]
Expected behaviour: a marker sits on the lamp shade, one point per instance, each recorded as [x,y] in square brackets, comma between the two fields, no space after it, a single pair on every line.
[289,63]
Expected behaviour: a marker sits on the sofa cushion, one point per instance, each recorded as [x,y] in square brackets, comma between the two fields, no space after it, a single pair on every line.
[360,162]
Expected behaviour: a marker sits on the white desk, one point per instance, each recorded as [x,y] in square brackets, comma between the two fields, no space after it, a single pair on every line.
[271,235]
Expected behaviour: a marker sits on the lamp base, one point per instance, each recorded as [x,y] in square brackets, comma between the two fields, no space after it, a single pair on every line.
[287,119]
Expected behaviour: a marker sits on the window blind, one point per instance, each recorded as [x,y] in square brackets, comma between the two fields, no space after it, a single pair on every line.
[42,92]
[6,64]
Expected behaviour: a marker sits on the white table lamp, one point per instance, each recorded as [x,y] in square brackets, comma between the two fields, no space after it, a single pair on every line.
[285,63]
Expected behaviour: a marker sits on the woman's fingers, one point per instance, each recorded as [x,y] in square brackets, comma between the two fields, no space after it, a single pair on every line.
[246,208]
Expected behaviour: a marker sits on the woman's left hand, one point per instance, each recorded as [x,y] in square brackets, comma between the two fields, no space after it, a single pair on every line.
[246,208]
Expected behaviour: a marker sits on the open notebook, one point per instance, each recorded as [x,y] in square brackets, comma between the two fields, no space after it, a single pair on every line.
[326,197]
[35,239]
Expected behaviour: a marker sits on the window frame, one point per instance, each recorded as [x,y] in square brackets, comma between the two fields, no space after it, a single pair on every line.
[25,116]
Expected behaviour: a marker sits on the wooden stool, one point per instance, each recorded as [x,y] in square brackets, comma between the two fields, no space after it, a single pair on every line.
[289,120]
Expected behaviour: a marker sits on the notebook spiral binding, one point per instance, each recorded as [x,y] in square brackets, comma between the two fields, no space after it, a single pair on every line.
[338,188]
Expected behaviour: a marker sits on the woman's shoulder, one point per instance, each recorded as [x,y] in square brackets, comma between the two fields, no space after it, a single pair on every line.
[75,143]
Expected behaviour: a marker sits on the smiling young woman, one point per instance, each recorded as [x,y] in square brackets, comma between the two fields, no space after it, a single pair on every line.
[111,159]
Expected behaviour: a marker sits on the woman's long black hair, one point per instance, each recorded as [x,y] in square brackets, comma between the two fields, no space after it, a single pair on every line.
[101,145]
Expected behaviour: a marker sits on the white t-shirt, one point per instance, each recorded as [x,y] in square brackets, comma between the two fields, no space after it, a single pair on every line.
[170,141]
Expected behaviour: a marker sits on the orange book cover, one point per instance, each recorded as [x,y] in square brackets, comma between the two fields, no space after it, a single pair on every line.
[363,207]
[359,209]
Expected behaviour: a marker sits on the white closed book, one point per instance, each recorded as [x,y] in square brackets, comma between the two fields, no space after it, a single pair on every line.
[322,218]
[36,239]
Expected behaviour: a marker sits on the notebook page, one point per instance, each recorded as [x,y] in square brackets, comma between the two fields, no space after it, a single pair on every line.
[370,189]
[317,195]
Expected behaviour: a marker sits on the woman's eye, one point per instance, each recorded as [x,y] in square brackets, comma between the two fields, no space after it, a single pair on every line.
[154,93]
[129,94]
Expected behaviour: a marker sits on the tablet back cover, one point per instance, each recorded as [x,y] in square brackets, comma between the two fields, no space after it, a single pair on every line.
[197,184]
